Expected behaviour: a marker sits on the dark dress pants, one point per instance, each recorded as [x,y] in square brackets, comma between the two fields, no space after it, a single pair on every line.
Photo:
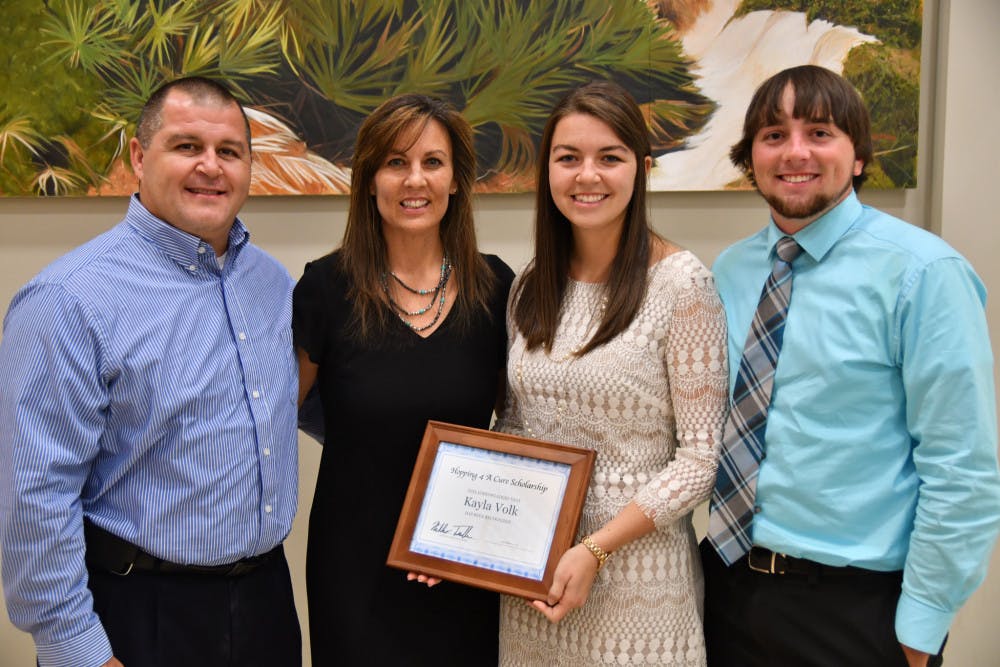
[166,620]
[835,618]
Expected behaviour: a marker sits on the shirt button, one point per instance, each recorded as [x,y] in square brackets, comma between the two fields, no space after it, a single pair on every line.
[242,336]
[255,394]
[201,250]
[267,451]
[192,268]
[267,508]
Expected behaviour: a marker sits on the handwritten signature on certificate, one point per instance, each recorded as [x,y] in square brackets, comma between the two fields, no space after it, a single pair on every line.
[463,531]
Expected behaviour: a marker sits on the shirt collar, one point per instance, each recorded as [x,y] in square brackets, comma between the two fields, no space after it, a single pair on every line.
[182,248]
[821,234]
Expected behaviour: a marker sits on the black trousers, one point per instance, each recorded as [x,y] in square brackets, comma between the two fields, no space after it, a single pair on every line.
[794,620]
[165,620]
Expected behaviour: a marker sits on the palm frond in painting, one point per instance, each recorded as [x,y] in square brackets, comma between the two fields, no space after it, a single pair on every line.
[317,67]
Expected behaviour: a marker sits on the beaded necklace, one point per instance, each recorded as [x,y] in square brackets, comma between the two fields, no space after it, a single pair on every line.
[441,289]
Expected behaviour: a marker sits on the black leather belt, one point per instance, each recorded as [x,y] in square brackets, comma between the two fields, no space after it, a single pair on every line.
[766,561]
[110,553]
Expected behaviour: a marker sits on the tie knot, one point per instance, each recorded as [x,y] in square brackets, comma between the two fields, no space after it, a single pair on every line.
[788,249]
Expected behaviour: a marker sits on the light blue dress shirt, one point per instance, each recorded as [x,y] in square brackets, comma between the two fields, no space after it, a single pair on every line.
[881,442]
[149,390]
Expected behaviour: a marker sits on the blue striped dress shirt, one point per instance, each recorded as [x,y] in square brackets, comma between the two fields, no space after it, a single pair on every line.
[154,393]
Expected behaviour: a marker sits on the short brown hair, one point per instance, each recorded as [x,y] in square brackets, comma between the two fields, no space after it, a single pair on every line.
[820,95]
[202,90]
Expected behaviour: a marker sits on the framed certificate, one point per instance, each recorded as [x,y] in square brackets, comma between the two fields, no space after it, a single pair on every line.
[491,510]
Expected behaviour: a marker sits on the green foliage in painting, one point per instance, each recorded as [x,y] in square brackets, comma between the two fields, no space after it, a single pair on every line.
[893,103]
[897,23]
[43,115]
[504,62]
[83,69]
[887,75]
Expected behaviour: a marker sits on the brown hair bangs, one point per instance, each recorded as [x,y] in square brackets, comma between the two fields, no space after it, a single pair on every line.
[820,95]
[363,250]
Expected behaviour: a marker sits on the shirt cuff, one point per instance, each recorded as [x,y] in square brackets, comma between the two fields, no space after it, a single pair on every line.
[90,648]
[921,627]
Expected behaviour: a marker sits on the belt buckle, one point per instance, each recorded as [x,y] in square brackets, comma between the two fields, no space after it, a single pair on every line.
[245,566]
[239,568]
[765,570]
[127,572]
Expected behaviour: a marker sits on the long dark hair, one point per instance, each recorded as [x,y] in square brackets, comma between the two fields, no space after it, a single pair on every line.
[363,250]
[540,293]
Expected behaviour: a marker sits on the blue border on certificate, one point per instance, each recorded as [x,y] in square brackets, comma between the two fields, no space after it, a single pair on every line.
[530,569]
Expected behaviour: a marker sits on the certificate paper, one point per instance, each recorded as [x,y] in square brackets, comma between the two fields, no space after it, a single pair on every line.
[491,509]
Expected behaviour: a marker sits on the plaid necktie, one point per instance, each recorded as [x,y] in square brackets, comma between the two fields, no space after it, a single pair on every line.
[731,508]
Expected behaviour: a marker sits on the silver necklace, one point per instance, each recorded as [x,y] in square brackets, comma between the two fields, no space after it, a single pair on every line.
[438,294]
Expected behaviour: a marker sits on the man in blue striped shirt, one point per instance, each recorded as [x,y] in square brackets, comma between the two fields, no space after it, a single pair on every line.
[878,498]
[148,461]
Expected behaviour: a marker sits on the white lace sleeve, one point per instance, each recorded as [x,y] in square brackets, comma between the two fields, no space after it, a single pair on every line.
[695,362]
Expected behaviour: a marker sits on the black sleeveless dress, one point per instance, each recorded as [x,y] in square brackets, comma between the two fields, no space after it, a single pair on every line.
[377,398]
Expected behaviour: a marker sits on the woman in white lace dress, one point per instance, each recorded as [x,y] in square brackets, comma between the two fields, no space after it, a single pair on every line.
[617,343]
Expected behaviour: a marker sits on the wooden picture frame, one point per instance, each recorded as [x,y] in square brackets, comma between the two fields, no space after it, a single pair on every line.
[491,510]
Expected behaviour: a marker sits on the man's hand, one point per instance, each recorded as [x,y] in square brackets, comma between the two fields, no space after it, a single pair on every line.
[113,662]
[915,658]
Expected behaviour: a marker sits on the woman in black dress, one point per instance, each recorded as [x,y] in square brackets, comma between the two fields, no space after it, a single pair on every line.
[403,323]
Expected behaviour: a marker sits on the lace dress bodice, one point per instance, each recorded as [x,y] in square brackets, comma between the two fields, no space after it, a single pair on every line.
[652,403]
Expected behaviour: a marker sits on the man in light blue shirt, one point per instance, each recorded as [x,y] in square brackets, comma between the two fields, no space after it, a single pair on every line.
[148,449]
[878,498]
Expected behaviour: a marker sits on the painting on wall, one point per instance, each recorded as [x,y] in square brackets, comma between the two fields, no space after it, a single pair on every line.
[76,73]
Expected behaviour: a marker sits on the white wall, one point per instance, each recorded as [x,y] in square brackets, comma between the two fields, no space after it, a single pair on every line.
[960,164]
[966,157]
